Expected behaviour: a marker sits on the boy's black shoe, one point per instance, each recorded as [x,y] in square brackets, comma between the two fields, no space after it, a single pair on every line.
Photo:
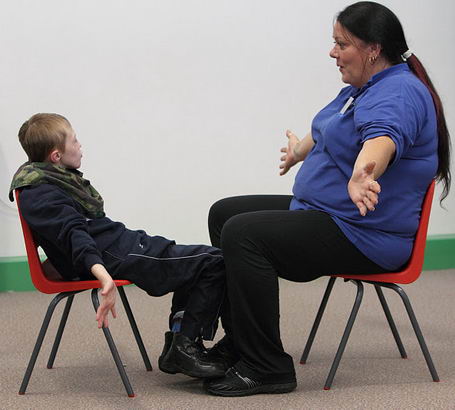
[224,351]
[165,361]
[233,384]
[188,357]
[165,364]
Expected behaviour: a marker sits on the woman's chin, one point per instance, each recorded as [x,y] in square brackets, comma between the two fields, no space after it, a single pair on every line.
[345,79]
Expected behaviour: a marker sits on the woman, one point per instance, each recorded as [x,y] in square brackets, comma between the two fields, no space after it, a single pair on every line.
[368,160]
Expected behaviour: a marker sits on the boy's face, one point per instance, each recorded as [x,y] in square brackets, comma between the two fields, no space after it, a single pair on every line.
[72,156]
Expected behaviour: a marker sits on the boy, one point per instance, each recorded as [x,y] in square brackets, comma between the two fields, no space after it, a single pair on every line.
[66,216]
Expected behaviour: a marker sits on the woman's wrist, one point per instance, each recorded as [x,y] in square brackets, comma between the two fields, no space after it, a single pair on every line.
[302,148]
[297,152]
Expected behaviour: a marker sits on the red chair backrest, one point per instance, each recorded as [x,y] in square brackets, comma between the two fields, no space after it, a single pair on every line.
[414,267]
[37,274]
[39,278]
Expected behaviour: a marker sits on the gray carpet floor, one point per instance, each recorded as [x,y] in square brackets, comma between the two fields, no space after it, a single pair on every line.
[371,374]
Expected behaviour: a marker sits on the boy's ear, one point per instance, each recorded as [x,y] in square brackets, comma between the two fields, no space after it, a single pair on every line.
[54,156]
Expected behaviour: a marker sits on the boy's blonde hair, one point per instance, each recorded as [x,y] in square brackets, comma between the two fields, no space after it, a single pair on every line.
[42,133]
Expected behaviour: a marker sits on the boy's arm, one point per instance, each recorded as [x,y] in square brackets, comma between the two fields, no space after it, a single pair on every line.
[51,213]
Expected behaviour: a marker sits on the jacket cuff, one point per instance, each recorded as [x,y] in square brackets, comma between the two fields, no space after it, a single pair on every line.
[91,260]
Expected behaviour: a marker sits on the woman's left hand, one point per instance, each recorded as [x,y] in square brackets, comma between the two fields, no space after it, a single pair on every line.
[363,189]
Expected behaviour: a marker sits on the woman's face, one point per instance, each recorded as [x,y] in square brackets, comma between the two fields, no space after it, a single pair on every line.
[351,55]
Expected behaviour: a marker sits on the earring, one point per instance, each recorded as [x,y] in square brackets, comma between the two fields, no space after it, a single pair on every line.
[372,59]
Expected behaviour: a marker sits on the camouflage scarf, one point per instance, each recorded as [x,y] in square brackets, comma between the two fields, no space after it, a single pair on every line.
[70,180]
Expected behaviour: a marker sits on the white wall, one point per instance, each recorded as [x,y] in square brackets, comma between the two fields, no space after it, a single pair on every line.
[180,103]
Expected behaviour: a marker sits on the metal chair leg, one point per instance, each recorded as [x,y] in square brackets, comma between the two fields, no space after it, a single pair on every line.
[416,327]
[60,330]
[346,334]
[317,320]
[388,315]
[39,340]
[113,348]
[135,329]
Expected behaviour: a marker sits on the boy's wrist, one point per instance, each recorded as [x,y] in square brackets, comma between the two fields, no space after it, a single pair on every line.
[100,273]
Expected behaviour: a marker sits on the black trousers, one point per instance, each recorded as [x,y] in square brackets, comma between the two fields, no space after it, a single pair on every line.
[262,240]
[195,273]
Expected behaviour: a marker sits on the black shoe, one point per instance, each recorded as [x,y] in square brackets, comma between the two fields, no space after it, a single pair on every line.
[165,361]
[189,357]
[233,384]
[224,351]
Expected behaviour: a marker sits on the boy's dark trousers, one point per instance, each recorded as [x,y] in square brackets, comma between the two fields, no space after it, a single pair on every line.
[195,273]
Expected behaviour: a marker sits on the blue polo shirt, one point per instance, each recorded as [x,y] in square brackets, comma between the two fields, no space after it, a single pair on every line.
[394,103]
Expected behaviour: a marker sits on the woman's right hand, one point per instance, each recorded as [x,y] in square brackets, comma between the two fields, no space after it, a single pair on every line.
[289,159]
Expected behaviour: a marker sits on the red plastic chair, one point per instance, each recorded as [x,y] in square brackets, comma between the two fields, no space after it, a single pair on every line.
[388,280]
[67,289]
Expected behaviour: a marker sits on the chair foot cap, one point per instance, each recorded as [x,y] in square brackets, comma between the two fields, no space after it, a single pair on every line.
[131,395]
[326,388]
[302,362]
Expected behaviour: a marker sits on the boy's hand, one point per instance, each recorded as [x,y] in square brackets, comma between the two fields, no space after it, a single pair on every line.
[108,295]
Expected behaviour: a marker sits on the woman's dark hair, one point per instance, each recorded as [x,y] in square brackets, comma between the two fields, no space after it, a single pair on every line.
[376,24]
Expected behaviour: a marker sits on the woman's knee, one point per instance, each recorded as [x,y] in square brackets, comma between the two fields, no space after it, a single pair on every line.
[216,212]
[217,217]
[234,233]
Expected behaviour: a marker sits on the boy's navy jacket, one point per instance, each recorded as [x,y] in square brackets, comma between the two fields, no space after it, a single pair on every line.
[72,242]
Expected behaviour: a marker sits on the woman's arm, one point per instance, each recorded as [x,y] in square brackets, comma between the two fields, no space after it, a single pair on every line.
[296,151]
[371,163]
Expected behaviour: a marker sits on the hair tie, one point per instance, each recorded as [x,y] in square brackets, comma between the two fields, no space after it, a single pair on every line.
[406,55]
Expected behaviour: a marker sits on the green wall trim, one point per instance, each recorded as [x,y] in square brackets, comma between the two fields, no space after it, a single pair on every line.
[440,252]
[15,275]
